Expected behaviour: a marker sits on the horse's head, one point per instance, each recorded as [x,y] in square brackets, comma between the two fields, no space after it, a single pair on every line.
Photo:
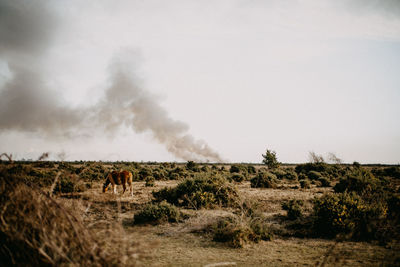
[106,183]
[105,187]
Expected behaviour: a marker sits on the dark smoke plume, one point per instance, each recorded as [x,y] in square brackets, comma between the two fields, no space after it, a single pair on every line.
[27,104]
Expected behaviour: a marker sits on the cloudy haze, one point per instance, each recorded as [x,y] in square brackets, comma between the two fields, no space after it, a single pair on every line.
[200,80]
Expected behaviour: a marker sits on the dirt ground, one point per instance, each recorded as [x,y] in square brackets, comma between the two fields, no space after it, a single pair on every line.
[187,244]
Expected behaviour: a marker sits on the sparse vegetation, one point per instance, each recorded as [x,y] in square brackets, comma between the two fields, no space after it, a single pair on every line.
[204,204]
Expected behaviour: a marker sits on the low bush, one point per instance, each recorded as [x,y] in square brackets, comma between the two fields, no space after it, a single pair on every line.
[360,181]
[150,181]
[348,214]
[237,177]
[236,231]
[199,192]
[285,174]
[192,166]
[157,213]
[236,168]
[307,167]
[69,184]
[324,182]
[326,170]
[314,175]
[177,173]
[293,208]
[264,180]
[305,184]
[251,169]
[159,174]
[144,172]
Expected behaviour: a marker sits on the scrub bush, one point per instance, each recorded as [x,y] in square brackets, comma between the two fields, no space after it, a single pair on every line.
[157,213]
[237,177]
[293,208]
[348,214]
[199,192]
[360,181]
[305,184]
[236,231]
[264,180]
[150,181]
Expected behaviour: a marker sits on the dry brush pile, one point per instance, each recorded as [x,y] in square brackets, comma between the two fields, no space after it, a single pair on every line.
[37,229]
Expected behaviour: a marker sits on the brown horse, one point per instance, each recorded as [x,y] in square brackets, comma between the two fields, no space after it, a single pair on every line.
[115,178]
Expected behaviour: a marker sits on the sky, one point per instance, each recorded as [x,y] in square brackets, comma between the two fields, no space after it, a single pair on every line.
[218,81]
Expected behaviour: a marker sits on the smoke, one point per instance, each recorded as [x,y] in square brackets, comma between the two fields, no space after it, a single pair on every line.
[126,103]
[28,103]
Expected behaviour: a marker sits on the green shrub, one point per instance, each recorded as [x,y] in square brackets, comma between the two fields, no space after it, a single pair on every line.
[305,184]
[237,231]
[68,184]
[251,169]
[348,214]
[326,170]
[177,173]
[279,173]
[235,168]
[174,176]
[290,175]
[314,175]
[205,168]
[157,213]
[192,166]
[144,173]
[307,167]
[199,192]
[150,181]
[264,180]
[159,174]
[324,182]
[393,172]
[360,181]
[285,174]
[237,177]
[293,208]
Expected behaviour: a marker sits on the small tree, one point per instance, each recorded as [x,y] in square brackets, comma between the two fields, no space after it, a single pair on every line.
[270,159]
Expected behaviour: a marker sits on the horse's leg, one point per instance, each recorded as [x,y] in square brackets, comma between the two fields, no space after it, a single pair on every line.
[114,188]
[130,187]
[124,187]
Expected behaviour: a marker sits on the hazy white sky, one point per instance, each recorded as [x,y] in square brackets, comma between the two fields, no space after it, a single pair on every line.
[245,75]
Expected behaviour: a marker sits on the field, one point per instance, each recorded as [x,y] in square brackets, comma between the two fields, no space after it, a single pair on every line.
[242,223]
